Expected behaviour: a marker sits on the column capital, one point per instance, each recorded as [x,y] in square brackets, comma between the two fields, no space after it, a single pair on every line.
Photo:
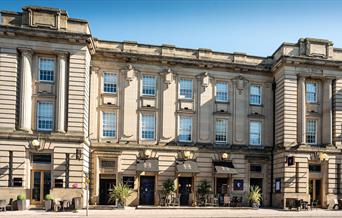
[62,54]
[26,51]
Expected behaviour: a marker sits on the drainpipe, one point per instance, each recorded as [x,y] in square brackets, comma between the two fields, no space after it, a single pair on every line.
[272,160]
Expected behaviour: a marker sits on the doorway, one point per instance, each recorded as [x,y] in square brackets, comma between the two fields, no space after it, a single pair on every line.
[146,190]
[184,189]
[106,186]
[315,191]
[221,189]
[257,182]
[40,186]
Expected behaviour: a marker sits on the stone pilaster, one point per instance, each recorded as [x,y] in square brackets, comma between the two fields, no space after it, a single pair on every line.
[327,112]
[25,115]
[302,110]
[62,59]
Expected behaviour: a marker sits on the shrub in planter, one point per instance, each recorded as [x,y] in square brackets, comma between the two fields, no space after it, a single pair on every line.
[119,194]
[48,202]
[255,196]
[21,201]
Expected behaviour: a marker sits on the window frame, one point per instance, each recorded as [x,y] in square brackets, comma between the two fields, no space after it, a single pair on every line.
[114,125]
[180,129]
[142,85]
[180,88]
[226,130]
[250,133]
[52,114]
[115,84]
[307,92]
[250,94]
[54,69]
[141,127]
[307,132]
[227,91]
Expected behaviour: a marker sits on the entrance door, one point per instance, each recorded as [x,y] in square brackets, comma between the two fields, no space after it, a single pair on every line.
[184,189]
[106,185]
[257,182]
[146,190]
[221,189]
[315,191]
[40,186]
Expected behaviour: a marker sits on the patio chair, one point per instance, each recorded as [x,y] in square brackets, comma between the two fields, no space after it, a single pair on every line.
[176,200]
[57,205]
[3,204]
[226,201]
[239,202]
[314,204]
[162,199]
[65,204]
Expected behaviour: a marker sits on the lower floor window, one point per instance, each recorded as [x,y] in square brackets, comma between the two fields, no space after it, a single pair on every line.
[148,126]
[185,129]
[221,131]
[255,133]
[311,131]
[45,116]
[109,124]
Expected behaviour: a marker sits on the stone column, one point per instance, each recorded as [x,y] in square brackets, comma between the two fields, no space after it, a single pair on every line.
[327,112]
[60,106]
[302,110]
[25,115]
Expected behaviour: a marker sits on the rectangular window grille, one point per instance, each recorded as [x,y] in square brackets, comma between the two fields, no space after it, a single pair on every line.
[297,177]
[46,69]
[45,116]
[58,183]
[185,88]
[109,124]
[255,133]
[222,91]
[185,129]
[149,85]
[148,126]
[67,170]
[109,83]
[10,169]
[338,178]
[221,130]
[17,182]
[41,158]
[128,180]
[255,95]
[315,168]
[311,92]
[107,164]
[255,168]
[311,131]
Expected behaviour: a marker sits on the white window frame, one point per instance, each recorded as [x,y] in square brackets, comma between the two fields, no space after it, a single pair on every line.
[54,69]
[106,127]
[307,92]
[192,89]
[52,117]
[142,126]
[115,83]
[154,87]
[180,128]
[250,94]
[227,91]
[254,133]
[309,132]
[225,130]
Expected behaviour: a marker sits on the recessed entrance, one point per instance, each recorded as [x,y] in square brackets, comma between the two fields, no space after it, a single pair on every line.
[146,190]
[257,182]
[222,188]
[40,186]
[315,191]
[106,186]
[184,189]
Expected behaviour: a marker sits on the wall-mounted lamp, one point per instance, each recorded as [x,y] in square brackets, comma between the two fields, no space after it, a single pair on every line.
[186,154]
[148,153]
[323,156]
[224,156]
[78,154]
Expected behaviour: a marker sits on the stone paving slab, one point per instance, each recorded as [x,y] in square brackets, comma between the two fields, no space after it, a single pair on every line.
[184,213]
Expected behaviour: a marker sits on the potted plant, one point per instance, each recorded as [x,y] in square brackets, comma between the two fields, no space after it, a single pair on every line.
[21,201]
[255,196]
[119,194]
[48,202]
[168,189]
[203,190]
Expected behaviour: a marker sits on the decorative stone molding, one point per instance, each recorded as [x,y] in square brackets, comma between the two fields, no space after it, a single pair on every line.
[240,83]
[130,73]
[168,77]
[205,80]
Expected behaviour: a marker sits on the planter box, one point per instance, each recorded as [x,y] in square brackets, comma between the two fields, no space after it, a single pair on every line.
[21,204]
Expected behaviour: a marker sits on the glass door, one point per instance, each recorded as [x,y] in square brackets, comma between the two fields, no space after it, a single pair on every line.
[41,185]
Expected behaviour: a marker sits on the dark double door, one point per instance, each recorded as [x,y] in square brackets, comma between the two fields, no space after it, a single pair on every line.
[147,184]
[106,186]
[184,189]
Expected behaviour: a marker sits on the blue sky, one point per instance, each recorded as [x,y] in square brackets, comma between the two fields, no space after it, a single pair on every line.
[256,27]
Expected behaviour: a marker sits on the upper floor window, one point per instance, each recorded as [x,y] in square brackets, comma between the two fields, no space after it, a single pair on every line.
[255,133]
[45,116]
[185,88]
[221,130]
[311,131]
[311,92]
[46,69]
[109,124]
[149,85]
[222,91]
[109,82]
[185,129]
[148,126]
[255,95]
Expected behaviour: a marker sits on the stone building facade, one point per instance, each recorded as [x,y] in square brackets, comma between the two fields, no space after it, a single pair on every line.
[75,106]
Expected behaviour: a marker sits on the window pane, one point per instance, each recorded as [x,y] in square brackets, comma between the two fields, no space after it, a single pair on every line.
[311,92]
[221,130]
[109,83]
[311,126]
[147,126]
[109,124]
[185,129]
[255,133]
[185,90]
[255,95]
[149,85]
[45,116]
[46,69]
[222,91]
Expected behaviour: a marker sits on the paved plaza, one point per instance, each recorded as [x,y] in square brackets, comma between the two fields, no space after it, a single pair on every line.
[151,213]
